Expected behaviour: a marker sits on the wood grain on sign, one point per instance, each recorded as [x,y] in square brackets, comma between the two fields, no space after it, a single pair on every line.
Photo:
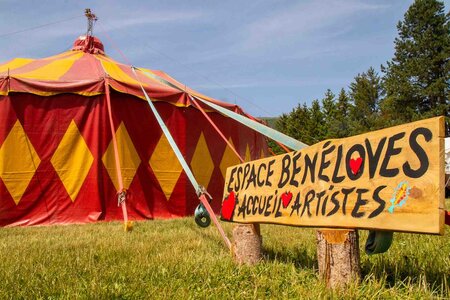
[391,179]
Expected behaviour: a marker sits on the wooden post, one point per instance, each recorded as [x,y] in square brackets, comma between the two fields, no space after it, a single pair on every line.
[338,257]
[246,245]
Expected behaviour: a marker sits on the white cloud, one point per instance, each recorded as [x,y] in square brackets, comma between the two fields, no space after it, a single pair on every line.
[286,82]
[141,18]
[71,25]
[301,19]
[35,33]
[306,27]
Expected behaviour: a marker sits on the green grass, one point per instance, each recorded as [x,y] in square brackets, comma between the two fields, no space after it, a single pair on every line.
[167,259]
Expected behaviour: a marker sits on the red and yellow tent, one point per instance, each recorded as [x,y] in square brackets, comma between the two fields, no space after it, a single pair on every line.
[57,158]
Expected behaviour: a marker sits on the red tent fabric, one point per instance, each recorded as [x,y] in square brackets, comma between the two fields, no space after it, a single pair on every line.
[57,162]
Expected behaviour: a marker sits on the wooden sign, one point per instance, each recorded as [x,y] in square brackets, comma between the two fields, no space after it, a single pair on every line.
[391,179]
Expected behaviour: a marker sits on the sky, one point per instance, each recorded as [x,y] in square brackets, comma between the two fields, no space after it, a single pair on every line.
[265,55]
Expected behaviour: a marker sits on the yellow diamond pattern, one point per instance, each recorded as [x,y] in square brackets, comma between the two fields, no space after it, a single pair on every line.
[72,160]
[248,156]
[202,164]
[165,166]
[128,158]
[18,162]
[229,158]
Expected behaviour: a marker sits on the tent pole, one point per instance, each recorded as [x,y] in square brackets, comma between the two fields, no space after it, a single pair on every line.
[121,193]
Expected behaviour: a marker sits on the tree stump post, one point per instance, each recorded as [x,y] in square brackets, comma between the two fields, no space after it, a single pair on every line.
[246,245]
[338,257]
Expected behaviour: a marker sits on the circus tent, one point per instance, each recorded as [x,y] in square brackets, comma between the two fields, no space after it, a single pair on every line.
[76,130]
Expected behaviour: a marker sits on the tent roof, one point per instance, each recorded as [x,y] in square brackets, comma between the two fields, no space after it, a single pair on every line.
[86,70]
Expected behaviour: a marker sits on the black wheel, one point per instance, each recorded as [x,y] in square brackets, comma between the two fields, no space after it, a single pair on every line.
[203,221]
[201,216]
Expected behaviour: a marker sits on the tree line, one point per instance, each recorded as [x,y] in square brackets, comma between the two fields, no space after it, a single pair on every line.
[413,85]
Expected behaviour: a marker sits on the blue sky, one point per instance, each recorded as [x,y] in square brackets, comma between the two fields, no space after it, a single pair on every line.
[266,56]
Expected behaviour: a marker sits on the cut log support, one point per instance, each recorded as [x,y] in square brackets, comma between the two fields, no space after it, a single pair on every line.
[246,246]
[338,257]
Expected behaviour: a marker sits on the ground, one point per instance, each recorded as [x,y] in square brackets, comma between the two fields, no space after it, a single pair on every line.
[176,259]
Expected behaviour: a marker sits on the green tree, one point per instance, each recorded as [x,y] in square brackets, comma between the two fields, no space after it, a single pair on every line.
[296,123]
[329,111]
[417,78]
[366,93]
[281,125]
[341,125]
[316,127]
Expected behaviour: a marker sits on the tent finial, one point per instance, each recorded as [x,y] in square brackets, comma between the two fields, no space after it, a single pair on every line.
[91,18]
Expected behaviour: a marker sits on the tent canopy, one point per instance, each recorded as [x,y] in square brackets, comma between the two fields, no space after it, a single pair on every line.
[85,69]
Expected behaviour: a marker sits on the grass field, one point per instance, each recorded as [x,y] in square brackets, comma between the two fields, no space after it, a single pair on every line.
[175,259]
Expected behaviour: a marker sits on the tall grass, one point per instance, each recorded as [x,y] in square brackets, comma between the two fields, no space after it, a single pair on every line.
[165,259]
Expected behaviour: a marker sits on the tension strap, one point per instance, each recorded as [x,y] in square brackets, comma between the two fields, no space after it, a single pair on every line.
[198,188]
[121,193]
[216,128]
[265,130]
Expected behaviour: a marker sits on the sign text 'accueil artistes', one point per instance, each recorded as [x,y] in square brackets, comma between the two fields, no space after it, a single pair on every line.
[390,179]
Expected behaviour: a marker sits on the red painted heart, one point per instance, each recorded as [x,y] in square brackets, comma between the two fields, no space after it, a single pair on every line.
[355,165]
[228,207]
[286,199]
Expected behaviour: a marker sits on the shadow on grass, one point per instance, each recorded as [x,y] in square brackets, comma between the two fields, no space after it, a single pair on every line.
[406,270]
[300,258]
[212,237]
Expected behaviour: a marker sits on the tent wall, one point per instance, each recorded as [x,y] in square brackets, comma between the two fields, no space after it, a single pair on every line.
[57,165]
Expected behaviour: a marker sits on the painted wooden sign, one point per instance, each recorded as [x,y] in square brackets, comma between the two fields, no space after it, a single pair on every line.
[391,179]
